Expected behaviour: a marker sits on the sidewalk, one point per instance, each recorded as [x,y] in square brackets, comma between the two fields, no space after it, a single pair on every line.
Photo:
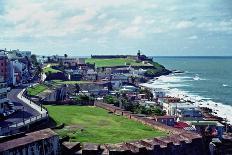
[30,103]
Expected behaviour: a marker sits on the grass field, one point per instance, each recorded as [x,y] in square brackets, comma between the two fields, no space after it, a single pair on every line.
[96,125]
[69,82]
[114,62]
[50,69]
[35,90]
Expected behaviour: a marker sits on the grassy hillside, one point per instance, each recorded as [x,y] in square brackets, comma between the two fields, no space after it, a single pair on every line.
[115,62]
[96,125]
[35,90]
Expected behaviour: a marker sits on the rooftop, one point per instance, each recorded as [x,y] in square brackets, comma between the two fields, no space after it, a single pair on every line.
[27,139]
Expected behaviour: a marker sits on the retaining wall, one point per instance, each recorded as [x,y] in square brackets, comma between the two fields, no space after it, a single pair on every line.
[178,142]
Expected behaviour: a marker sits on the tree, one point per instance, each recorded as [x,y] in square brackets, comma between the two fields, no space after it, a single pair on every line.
[109,99]
[77,88]
[148,93]
[65,55]
[39,70]
[151,73]
[34,59]
[158,112]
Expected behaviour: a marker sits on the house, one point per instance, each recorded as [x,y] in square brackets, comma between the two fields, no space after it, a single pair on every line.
[172,108]
[158,93]
[208,128]
[147,103]
[167,120]
[74,75]
[121,70]
[91,75]
[168,99]
[117,80]
[139,71]
[189,114]
[39,142]
[104,76]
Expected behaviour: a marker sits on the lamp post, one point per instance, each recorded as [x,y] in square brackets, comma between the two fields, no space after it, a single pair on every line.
[41,104]
[23,115]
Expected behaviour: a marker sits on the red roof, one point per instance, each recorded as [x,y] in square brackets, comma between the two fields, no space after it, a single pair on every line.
[181,125]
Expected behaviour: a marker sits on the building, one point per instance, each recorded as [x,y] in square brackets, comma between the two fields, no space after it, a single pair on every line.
[158,93]
[15,72]
[4,69]
[172,108]
[189,114]
[6,108]
[35,143]
[72,61]
[168,99]
[91,75]
[208,128]
[167,120]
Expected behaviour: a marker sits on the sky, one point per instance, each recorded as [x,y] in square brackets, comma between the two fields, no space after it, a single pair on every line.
[85,27]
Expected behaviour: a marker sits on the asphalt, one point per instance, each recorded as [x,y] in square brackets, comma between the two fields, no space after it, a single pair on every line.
[23,110]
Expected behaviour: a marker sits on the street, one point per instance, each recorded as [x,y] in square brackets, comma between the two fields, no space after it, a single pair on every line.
[24,111]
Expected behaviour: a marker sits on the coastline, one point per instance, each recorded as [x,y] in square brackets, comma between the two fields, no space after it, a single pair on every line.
[218,109]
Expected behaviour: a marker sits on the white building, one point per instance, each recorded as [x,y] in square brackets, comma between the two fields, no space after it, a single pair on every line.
[173,107]
[15,72]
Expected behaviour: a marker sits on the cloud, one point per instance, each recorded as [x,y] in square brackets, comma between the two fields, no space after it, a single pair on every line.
[39,25]
[184,24]
[194,37]
[133,32]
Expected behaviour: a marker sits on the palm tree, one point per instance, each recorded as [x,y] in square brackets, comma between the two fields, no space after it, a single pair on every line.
[65,55]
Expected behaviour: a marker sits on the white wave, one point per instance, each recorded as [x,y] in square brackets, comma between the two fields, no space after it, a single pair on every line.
[196,78]
[225,85]
[171,85]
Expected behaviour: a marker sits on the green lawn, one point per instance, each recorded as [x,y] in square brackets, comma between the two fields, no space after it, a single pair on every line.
[50,69]
[35,90]
[69,82]
[96,125]
[114,62]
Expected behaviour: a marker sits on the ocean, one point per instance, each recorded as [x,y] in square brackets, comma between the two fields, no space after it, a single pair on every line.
[208,80]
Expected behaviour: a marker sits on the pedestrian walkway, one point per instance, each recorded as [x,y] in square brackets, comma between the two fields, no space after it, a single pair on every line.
[38,108]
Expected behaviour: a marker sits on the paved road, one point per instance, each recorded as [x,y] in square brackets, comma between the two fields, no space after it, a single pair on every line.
[18,116]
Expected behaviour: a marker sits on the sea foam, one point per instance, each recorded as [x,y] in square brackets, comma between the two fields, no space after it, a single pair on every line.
[171,85]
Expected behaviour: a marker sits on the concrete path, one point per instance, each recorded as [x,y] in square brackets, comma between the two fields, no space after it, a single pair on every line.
[36,107]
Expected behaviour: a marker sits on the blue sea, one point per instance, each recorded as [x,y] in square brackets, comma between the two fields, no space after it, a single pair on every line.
[208,79]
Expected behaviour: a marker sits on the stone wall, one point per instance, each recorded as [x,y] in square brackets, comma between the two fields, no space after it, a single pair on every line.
[178,142]
[35,143]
